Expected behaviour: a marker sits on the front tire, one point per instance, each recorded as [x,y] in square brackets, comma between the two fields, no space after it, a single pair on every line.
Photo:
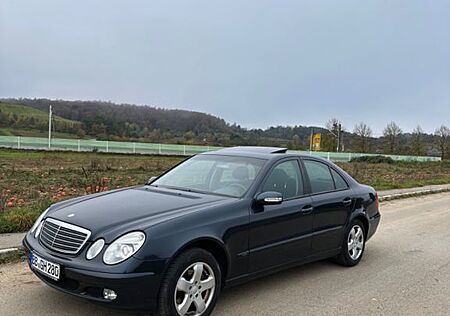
[353,245]
[191,285]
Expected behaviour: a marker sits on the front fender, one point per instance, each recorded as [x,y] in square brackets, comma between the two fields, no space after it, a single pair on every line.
[222,230]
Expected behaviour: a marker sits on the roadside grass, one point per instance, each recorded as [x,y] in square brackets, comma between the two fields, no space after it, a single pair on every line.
[32,180]
[20,219]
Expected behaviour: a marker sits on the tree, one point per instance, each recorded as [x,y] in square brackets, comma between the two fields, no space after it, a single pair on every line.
[363,133]
[443,141]
[392,132]
[3,118]
[189,136]
[81,133]
[417,141]
[335,127]
[295,143]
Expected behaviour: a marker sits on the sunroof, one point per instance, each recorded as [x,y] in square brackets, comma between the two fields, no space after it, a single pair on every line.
[257,149]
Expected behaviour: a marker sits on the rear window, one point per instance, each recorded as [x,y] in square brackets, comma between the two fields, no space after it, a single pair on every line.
[339,181]
[319,176]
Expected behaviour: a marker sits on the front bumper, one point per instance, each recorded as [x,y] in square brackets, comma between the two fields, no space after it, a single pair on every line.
[135,290]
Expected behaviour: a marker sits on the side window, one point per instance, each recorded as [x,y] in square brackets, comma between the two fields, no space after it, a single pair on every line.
[286,179]
[339,181]
[319,176]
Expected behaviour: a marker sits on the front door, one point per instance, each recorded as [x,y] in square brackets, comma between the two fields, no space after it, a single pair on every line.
[281,233]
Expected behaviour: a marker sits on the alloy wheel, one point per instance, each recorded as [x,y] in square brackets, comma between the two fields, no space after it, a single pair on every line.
[195,290]
[355,242]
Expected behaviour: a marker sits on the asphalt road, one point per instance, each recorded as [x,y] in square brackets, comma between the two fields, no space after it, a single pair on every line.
[405,271]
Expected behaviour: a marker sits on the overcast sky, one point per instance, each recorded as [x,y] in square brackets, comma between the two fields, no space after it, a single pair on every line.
[257,63]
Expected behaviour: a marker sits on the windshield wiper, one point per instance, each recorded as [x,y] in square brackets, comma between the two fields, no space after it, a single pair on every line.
[179,188]
[192,190]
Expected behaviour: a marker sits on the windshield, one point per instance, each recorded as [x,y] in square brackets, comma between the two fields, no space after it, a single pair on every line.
[223,175]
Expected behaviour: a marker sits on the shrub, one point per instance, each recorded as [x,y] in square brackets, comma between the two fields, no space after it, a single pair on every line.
[373,159]
[21,219]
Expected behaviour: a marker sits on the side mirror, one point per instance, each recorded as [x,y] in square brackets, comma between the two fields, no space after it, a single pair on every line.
[269,198]
[151,179]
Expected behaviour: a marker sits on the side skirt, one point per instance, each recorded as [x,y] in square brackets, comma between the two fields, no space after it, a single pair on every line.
[271,270]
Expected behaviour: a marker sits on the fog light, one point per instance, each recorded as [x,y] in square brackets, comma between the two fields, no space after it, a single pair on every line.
[109,294]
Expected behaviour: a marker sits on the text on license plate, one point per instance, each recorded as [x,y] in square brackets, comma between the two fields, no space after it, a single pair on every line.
[44,266]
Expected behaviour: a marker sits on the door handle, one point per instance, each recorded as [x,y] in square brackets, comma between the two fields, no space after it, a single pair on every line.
[307,209]
[347,201]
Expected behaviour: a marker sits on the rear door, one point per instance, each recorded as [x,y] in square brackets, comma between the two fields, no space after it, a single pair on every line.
[332,202]
[281,233]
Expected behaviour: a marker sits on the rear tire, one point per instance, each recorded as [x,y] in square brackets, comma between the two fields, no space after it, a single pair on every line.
[191,285]
[353,244]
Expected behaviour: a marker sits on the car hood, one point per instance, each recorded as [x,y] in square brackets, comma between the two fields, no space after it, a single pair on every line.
[136,207]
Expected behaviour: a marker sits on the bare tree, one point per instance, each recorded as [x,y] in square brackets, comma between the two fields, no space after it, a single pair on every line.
[332,124]
[391,132]
[336,130]
[363,132]
[443,142]
[417,141]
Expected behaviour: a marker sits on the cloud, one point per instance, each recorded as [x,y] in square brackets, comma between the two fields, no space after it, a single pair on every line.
[257,63]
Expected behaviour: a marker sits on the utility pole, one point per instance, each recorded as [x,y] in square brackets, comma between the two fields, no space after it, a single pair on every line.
[338,137]
[336,131]
[50,114]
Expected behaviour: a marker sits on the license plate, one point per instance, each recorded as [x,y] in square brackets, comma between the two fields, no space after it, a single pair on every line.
[44,266]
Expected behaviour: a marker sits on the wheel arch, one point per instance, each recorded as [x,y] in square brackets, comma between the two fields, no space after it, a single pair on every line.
[213,246]
[362,217]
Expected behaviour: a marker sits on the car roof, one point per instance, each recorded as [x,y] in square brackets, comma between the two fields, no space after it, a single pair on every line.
[254,152]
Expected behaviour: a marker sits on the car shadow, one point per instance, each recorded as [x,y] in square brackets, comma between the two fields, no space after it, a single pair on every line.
[231,297]
[254,293]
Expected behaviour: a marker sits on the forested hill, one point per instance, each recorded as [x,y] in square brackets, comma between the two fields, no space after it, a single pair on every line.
[127,122]
[117,118]
[107,120]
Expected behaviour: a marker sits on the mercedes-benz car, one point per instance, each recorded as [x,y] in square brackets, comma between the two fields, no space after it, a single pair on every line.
[217,219]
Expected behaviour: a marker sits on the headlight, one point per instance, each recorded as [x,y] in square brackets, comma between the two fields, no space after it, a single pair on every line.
[95,249]
[38,221]
[123,247]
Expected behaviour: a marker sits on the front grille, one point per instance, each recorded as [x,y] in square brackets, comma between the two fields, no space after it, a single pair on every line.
[63,237]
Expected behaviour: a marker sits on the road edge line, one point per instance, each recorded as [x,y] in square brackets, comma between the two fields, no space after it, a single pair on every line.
[12,254]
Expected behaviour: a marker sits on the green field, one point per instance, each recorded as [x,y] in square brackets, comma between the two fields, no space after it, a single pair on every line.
[31,180]
[27,132]
[23,111]
[26,121]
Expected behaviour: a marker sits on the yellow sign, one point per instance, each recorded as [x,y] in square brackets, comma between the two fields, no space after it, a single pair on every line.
[316,142]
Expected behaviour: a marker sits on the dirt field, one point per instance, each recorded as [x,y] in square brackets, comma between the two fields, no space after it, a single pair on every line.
[31,181]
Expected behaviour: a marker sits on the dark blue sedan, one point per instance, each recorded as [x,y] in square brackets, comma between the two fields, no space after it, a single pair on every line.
[217,219]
